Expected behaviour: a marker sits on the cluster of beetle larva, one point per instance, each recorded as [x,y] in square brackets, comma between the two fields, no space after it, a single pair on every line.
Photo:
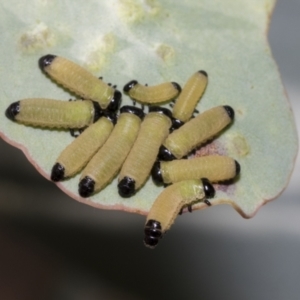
[133,143]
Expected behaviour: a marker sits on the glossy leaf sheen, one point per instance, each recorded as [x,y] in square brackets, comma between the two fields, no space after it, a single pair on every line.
[152,42]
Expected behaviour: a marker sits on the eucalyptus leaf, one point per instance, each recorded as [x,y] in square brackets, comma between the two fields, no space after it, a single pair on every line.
[153,42]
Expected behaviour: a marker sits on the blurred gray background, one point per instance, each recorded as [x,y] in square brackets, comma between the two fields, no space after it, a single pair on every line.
[52,247]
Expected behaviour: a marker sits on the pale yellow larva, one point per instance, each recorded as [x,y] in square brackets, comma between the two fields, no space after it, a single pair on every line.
[77,154]
[108,160]
[152,94]
[169,203]
[80,81]
[215,168]
[195,132]
[138,164]
[52,113]
[192,91]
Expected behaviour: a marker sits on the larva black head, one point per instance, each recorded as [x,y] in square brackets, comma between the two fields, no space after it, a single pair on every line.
[112,116]
[98,112]
[165,154]
[176,86]
[115,102]
[46,60]
[86,187]
[126,187]
[229,111]
[13,110]
[209,190]
[176,123]
[203,72]
[237,168]
[58,172]
[156,173]
[152,233]
[133,110]
[127,87]
[161,110]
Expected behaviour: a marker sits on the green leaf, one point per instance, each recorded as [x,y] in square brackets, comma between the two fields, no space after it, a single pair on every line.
[156,41]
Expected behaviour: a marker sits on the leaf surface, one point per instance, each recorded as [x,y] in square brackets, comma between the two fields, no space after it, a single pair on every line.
[156,41]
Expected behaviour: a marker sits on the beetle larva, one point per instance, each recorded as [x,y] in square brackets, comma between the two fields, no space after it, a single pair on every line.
[195,132]
[80,81]
[77,154]
[152,94]
[138,164]
[108,160]
[54,113]
[169,203]
[191,93]
[215,168]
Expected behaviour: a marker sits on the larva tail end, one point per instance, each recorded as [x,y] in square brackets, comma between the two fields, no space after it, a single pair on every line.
[176,123]
[165,154]
[115,102]
[237,168]
[58,172]
[152,233]
[133,110]
[177,86]
[209,190]
[156,173]
[126,187]
[127,87]
[203,72]
[86,187]
[161,110]
[229,111]
[12,110]
[46,60]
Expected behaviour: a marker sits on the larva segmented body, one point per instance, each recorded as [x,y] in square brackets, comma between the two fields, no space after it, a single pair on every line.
[215,168]
[80,81]
[169,203]
[152,94]
[52,113]
[77,154]
[191,93]
[195,132]
[138,164]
